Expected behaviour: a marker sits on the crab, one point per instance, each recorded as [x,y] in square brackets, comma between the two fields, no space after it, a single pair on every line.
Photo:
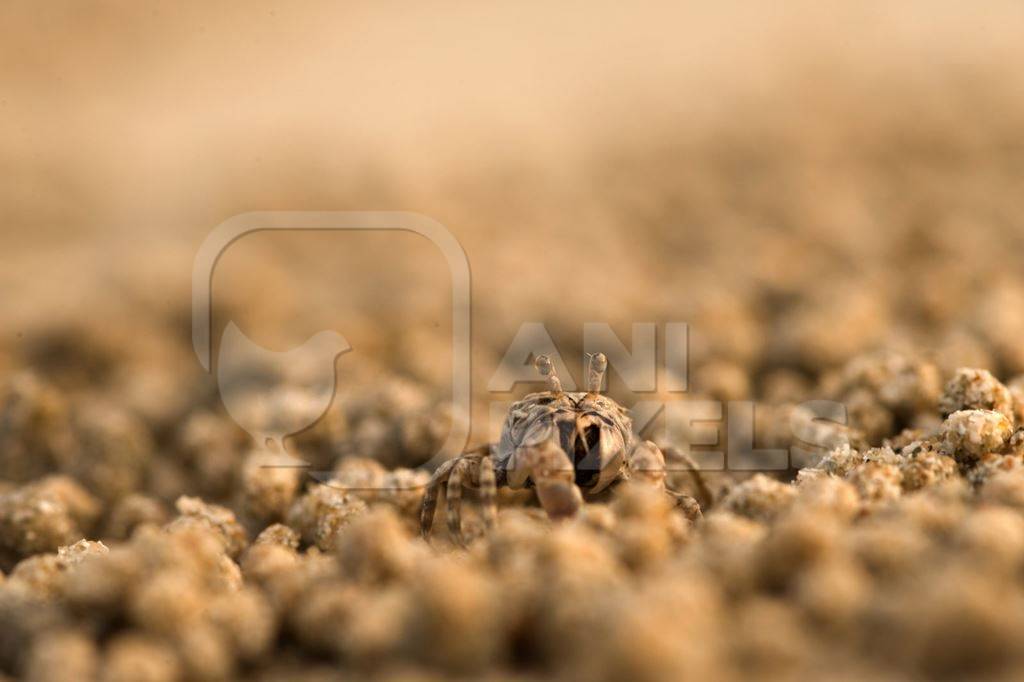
[562,444]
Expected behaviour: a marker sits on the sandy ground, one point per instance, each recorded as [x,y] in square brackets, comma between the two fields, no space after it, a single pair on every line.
[828,195]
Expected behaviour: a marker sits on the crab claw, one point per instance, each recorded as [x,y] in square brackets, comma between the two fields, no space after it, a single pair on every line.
[553,477]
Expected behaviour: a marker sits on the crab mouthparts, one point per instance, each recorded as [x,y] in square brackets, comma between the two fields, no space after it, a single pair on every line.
[586,452]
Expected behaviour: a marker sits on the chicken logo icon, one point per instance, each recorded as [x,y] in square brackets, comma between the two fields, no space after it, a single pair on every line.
[274,394]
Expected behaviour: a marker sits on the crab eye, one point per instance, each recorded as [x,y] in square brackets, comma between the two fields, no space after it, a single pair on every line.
[547,369]
[597,366]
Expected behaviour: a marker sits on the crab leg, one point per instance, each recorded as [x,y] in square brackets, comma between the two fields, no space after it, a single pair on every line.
[454,500]
[706,497]
[646,463]
[488,493]
[474,469]
[430,496]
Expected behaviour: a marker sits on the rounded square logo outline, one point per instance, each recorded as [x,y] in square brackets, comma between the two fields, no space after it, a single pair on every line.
[238,226]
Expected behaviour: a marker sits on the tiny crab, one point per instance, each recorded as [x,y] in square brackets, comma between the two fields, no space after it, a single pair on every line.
[562,444]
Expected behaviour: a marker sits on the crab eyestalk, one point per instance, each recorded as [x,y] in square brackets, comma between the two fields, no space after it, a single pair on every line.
[547,369]
[595,372]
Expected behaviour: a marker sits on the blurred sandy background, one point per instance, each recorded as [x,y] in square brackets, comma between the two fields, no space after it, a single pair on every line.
[829,193]
[800,185]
